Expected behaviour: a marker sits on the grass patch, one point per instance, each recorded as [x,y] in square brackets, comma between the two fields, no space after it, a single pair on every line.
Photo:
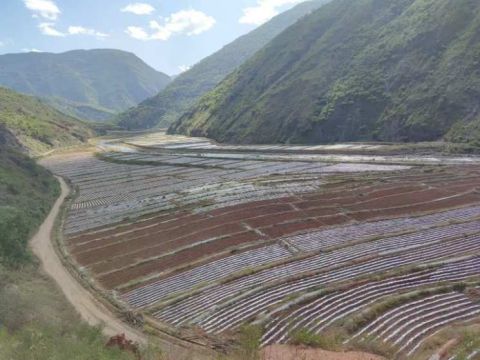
[327,341]
[470,342]
[375,347]
[249,341]
[37,323]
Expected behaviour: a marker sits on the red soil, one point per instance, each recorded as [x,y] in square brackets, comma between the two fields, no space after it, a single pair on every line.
[156,245]
[183,257]
[121,254]
[279,230]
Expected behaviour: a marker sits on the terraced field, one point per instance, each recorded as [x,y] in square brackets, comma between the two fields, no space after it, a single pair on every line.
[378,250]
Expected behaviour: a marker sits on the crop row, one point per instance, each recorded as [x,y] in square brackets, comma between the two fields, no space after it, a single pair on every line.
[318,317]
[154,188]
[203,274]
[103,183]
[325,239]
[159,141]
[157,291]
[257,298]
[134,258]
[408,326]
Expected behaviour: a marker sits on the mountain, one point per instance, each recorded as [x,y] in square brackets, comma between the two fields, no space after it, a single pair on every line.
[89,84]
[394,70]
[187,88]
[29,124]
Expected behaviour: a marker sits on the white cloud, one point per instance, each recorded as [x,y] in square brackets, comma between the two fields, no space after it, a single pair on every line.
[2,44]
[184,68]
[47,9]
[32,50]
[188,22]
[44,8]
[137,33]
[139,9]
[80,30]
[264,10]
[49,30]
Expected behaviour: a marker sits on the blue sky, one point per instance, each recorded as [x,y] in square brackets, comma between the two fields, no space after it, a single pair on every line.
[169,35]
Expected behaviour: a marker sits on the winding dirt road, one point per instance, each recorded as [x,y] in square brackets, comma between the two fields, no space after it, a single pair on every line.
[91,310]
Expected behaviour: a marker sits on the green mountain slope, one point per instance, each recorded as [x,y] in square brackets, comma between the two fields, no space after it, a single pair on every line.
[37,126]
[398,70]
[89,84]
[187,88]
[26,193]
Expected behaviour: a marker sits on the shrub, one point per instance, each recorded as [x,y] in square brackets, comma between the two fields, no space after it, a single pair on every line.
[249,341]
[328,341]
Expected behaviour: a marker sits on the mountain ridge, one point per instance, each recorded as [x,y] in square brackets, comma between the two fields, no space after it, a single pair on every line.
[89,84]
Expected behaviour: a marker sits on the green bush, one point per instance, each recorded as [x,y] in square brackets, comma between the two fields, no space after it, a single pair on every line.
[307,338]
[42,343]
[249,341]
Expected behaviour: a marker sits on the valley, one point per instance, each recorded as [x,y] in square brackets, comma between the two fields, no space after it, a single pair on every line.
[240,180]
[328,245]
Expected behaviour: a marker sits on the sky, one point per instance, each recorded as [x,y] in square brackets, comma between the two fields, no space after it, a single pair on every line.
[169,35]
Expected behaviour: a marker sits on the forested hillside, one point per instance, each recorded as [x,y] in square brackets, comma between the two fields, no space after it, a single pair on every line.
[92,85]
[186,89]
[37,126]
[394,70]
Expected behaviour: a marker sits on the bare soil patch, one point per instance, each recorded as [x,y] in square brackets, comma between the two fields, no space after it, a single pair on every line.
[286,352]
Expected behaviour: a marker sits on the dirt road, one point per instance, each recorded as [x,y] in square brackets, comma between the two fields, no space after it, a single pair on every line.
[90,309]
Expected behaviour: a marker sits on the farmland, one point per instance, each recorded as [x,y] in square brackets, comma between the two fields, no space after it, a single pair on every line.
[378,250]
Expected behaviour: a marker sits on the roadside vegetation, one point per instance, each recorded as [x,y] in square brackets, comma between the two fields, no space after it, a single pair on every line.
[27,192]
[36,322]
